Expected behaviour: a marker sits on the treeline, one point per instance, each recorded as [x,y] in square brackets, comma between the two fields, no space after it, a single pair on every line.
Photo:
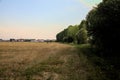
[103,24]
[74,34]
[100,29]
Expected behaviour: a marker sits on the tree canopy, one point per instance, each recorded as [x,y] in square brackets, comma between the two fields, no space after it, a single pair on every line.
[103,26]
[74,34]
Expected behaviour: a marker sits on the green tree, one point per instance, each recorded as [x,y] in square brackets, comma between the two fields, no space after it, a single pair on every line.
[81,35]
[68,35]
[103,26]
[72,30]
[60,36]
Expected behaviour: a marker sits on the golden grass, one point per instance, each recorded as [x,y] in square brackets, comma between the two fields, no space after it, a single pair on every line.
[24,60]
[41,61]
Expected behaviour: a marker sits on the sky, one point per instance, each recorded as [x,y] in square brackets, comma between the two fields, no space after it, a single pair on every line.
[40,19]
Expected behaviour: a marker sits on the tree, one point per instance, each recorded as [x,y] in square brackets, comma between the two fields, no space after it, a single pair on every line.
[103,26]
[60,36]
[72,30]
[81,35]
[68,35]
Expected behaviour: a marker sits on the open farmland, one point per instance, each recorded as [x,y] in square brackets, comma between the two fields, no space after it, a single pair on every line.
[42,61]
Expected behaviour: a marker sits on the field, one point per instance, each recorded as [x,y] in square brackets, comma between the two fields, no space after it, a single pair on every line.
[43,61]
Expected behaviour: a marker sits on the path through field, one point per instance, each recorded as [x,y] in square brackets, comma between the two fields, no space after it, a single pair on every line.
[40,61]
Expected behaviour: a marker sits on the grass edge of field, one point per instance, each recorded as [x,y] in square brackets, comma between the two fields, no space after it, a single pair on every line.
[92,62]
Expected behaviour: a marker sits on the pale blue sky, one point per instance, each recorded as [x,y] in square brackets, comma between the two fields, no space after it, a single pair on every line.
[40,18]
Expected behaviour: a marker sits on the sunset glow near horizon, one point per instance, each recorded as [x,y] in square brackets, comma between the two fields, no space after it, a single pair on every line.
[40,19]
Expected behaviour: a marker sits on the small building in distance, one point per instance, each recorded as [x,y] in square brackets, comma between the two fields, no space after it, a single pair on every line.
[20,40]
[1,40]
[12,40]
[40,40]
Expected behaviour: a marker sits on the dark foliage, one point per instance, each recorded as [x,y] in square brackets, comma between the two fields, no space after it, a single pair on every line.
[103,24]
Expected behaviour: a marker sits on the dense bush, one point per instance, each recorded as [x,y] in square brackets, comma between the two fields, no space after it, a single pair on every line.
[103,24]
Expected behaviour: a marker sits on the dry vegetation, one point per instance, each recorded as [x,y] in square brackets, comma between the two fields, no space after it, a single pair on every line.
[41,61]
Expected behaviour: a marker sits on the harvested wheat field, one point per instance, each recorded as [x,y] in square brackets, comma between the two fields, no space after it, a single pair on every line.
[40,61]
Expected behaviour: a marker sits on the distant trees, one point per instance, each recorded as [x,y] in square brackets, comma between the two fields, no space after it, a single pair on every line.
[81,35]
[60,36]
[103,24]
[67,35]
[101,28]
[74,34]
[72,30]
